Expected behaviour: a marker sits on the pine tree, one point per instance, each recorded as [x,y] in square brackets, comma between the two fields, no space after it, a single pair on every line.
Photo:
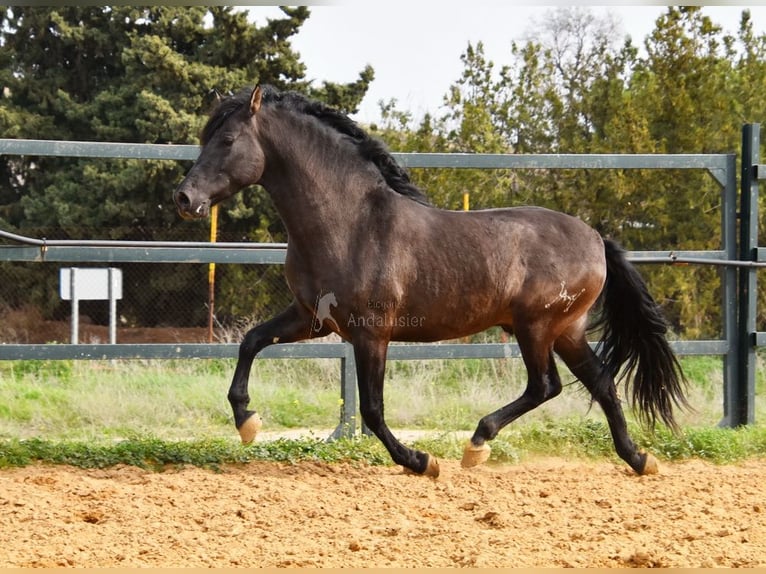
[137,75]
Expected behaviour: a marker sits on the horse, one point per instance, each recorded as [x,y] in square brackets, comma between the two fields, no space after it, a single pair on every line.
[401,269]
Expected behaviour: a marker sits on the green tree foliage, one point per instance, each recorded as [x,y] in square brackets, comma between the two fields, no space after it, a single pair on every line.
[574,88]
[141,75]
[148,75]
[128,74]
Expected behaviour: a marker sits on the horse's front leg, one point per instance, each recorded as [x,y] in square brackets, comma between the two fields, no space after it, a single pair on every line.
[293,324]
[370,354]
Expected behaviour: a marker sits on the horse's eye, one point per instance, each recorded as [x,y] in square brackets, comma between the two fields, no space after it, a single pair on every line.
[228,141]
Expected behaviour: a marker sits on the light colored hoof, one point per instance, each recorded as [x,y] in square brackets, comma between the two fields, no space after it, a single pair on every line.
[651,466]
[475,455]
[432,469]
[250,428]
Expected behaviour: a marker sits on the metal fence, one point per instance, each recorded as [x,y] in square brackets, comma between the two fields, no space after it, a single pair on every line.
[732,346]
[752,257]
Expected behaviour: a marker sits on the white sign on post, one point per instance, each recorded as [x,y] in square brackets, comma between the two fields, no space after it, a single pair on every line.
[81,284]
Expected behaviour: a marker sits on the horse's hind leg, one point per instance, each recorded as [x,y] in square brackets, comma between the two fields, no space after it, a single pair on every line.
[293,324]
[585,365]
[543,383]
[370,354]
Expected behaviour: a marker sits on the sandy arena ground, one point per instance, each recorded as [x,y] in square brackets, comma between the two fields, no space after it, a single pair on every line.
[541,513]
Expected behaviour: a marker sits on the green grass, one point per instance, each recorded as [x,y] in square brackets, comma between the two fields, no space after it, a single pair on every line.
[157,454]
[570,439]
[576,438]
[157,413]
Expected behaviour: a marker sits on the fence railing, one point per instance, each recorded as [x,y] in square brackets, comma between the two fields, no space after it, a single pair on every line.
[749,337]
[738,398]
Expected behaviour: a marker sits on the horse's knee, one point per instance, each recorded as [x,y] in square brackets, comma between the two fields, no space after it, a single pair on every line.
[250,345]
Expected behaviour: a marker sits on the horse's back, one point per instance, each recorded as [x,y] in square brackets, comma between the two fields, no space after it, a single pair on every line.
[555,239]
[540,221]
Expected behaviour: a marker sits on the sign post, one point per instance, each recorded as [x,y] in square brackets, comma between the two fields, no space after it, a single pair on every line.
[80,284]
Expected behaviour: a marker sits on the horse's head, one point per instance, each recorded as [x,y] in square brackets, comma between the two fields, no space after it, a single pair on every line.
[230,159]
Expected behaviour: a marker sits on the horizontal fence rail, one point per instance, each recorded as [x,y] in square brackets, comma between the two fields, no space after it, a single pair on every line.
[717,164]
[109,251]
[104,251]
[396,351]
[722,167]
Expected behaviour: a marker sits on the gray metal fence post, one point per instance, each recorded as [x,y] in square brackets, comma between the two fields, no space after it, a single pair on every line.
[742,403]
[729,290]
[348,402]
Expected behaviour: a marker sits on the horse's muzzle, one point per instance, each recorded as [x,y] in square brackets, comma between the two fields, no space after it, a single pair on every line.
[187,208]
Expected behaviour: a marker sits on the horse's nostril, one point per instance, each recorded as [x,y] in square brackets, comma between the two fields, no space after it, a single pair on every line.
[182,201]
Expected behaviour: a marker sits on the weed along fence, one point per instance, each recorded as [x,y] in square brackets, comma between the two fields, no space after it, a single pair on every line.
[737,262]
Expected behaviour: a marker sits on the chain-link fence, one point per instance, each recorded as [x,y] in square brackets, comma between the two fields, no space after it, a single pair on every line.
[161,302]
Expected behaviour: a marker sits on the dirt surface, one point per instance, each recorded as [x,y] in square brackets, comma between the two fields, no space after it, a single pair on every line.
[542,513]
[47,331]
[26,326]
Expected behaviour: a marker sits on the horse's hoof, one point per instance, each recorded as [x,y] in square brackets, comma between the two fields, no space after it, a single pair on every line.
[432,468]
[650,466]
[250,428]
[475,455]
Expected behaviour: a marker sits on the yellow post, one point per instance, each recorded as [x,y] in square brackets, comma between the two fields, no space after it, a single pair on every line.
[466,201]
[211,273]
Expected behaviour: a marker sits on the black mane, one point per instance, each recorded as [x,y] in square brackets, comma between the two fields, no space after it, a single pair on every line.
[370,148]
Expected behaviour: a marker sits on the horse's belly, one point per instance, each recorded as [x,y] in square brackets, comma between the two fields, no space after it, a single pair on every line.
[411,335]
[440,325]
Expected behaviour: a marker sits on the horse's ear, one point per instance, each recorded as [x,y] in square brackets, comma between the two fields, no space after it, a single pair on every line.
[255,100]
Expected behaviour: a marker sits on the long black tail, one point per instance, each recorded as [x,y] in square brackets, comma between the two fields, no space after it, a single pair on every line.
[633,341]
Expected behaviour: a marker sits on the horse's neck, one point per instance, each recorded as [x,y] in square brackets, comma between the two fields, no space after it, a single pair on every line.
[313,181]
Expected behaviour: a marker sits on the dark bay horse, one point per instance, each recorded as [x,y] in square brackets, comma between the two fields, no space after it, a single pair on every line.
[370,259]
